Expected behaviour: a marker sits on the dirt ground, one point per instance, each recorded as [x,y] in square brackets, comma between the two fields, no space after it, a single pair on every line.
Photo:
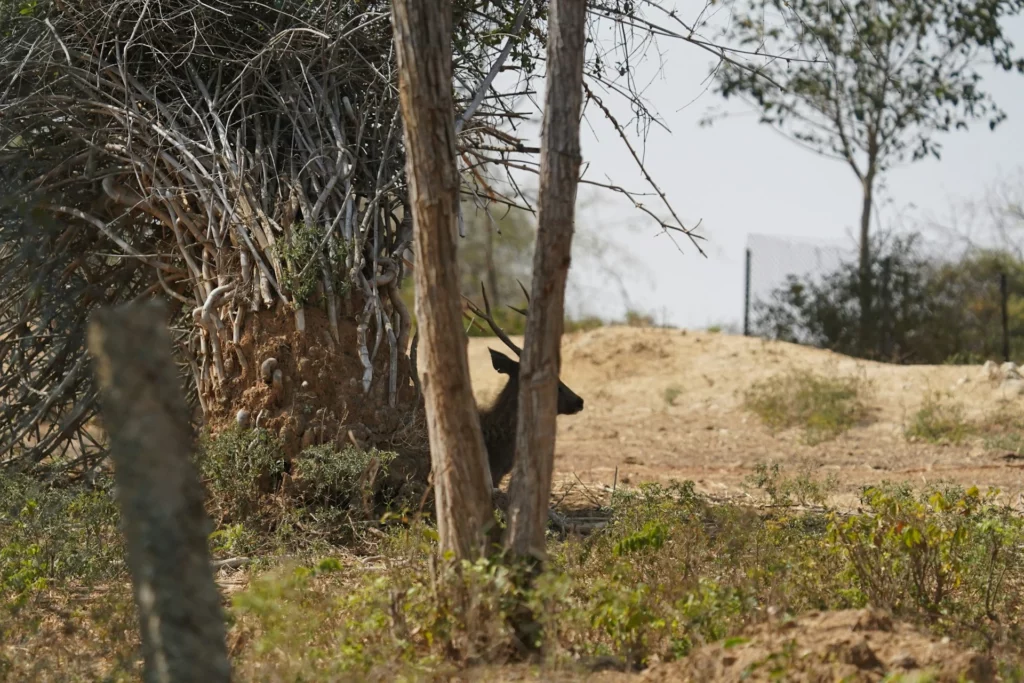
[705,434]
[854,646]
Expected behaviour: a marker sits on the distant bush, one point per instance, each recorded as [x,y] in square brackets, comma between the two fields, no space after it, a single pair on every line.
[802,489]
[239,467]
[924,310]
[823,407]
[939,420]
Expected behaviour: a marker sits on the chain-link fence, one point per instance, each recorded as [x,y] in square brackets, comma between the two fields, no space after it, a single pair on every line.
[770,259]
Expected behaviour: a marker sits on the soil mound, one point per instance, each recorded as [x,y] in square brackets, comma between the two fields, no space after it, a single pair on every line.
[664,404]
[851,645]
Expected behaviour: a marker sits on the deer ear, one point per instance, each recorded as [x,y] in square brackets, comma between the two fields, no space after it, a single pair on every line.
[503,363]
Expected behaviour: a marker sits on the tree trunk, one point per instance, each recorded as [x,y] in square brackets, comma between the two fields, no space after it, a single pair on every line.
[462,480]
[160,497]
[530,490]
[866,303]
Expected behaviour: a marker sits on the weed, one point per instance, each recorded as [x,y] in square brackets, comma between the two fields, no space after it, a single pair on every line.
[946,553]
[939,421]
[54,535]
[332,478]
[782,491]
[671,394]
[824,407]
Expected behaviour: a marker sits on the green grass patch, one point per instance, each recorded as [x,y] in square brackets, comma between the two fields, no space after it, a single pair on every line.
[939,420]
[822,406]
[670,572]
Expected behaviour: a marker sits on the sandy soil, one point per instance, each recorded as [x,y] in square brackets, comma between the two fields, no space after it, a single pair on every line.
[854,646]
[706,435]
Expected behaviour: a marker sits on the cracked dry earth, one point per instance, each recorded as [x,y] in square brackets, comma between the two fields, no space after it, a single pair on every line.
[627,376]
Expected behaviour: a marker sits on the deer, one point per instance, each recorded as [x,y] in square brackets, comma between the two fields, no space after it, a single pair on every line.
[498,422]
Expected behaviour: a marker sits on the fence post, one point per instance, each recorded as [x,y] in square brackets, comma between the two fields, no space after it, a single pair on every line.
[1004,296]
[746,296]
[159,495]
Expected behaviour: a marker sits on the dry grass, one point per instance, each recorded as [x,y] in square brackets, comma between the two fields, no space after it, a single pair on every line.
[672,573]
[822,406]
[338,596]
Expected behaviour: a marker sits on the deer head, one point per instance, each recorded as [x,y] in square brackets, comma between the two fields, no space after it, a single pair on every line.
[568,402]
[499,421]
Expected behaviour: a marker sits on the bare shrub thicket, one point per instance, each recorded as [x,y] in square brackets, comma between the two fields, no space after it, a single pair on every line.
[245,162]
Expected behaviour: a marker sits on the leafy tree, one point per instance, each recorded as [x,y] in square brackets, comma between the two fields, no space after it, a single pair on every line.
[870,83]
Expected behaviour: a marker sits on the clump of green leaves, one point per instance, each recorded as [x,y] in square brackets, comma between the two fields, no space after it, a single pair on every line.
[939,420]
[671,394]
[340,478]
[823,406]
[239,466]
[804,488]
[305,253]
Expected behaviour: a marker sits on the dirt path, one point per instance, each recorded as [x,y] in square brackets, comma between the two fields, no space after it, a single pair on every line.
[628,376]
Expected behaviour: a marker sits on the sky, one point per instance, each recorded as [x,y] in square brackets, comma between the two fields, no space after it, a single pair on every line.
[739,178]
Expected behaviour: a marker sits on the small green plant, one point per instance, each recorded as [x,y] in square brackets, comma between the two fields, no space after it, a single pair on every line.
[804,488]
[239,466]
[340,478]
[939,421]
[651,537]
[305,253]
[671,394]
[824,407]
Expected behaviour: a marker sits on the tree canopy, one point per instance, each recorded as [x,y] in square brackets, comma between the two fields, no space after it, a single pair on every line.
[871,83]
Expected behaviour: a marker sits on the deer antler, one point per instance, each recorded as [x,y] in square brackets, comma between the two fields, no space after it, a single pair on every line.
[522,311]
[486,316]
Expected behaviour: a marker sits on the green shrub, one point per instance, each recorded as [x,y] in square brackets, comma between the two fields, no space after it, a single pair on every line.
[304,254]
[948,554]
[239,466]
[52,535]
[824,407]
[939,421]
[337,479]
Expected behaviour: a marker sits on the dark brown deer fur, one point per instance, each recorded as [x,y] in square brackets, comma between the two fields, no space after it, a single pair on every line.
[498,422]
